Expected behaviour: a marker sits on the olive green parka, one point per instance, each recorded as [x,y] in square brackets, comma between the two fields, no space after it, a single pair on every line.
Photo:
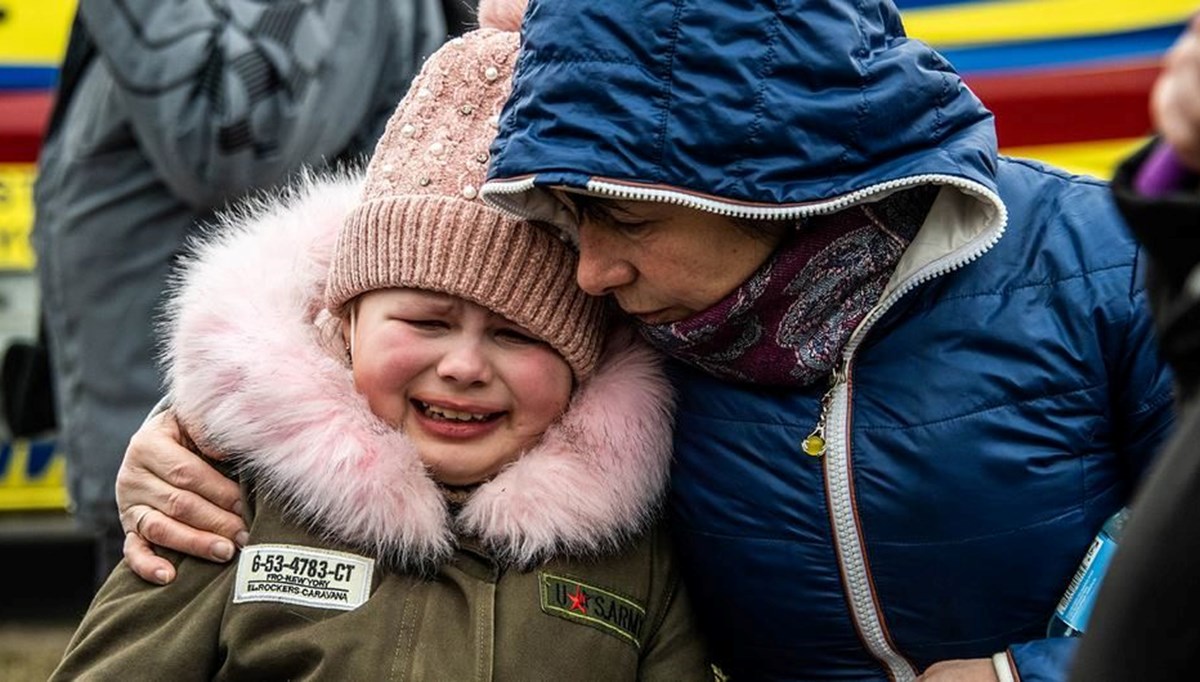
[359,567]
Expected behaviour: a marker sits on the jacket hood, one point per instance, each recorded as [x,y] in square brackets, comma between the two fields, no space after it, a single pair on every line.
[738,107]
[255,366]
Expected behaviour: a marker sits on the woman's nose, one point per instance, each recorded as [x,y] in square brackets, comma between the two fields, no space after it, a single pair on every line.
[601,269]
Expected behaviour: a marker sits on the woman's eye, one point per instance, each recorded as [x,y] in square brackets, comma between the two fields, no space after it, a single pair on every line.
[631,226]
[615,218]
[630,223]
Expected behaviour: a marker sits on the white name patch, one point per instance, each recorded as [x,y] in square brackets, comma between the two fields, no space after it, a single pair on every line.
[291,574]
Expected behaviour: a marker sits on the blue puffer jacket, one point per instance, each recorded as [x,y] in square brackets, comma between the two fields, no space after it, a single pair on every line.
[995,407]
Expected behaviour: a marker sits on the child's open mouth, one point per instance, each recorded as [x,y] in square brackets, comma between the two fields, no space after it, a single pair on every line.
[446,414]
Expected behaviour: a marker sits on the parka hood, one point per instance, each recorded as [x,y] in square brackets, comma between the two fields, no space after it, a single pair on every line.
[256,367]
[738,107]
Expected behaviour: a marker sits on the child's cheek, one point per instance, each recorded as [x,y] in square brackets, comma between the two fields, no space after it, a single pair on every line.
[543,383]
[387,374]
[394,371]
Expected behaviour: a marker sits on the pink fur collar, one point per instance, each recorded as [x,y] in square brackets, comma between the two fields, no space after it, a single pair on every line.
[253,369]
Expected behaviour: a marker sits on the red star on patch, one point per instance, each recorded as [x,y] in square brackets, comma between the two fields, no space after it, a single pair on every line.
[578,600]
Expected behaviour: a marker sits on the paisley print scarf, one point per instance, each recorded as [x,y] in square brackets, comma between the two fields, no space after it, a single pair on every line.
[787,324]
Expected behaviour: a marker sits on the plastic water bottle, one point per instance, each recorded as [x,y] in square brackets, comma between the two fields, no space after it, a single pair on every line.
[1071,615]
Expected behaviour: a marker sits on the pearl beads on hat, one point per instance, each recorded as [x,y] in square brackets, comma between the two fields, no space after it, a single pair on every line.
[461,86]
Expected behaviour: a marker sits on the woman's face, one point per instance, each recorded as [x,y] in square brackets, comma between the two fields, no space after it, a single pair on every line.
[661,262]
[469,388]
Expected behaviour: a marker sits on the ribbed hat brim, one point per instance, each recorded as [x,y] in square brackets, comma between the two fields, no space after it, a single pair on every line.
[467,249]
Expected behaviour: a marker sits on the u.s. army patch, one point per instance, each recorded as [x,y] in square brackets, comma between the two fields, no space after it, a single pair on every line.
[590,605]
[307,576]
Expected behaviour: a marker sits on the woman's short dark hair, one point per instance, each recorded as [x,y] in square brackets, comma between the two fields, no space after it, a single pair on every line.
[601,209]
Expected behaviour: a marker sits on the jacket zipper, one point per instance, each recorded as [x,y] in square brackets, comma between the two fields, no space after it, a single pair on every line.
[860,591]
[836,421]
[814,444]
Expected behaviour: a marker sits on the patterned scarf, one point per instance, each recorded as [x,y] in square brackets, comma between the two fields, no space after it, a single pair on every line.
[787,324]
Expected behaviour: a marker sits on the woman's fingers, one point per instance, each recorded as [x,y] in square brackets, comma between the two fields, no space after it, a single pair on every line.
[159,471]
[171,497]
[160,530]
[163,531]
[185,487]
[145,563]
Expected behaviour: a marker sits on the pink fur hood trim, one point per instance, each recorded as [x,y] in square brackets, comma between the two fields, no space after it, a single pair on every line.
[253,370]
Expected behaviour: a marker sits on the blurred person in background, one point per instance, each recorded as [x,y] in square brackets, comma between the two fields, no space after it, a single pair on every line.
[165,112]
[1144,625]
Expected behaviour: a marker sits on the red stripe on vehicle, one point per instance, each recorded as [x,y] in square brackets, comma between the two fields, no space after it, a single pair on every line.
[23,117]
[1057,106]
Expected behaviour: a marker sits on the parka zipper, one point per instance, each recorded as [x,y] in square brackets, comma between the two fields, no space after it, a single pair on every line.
[814,444]
[833,422]
[860,589]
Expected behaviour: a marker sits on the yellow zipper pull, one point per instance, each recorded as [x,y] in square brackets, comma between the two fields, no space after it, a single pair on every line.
[814,444]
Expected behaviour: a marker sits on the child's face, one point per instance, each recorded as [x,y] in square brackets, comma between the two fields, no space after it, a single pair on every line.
[469,388]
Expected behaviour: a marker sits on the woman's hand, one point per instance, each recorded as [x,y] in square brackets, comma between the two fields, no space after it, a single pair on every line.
[1175,101]
[168,496]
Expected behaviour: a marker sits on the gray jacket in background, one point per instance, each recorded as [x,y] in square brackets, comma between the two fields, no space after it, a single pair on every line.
[173,110]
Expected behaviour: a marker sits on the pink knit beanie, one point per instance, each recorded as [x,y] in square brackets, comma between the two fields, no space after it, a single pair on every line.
[421,223]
